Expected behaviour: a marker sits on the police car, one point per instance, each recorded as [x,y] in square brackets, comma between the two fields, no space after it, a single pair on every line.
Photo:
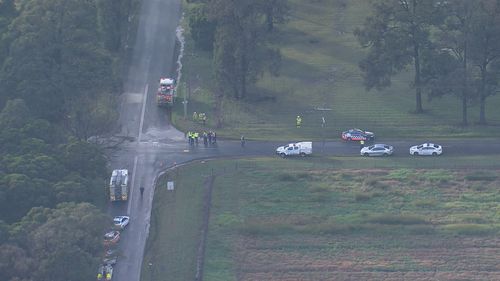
[357,135]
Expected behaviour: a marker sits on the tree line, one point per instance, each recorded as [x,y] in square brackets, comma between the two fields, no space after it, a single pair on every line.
[453,47]
[60,68]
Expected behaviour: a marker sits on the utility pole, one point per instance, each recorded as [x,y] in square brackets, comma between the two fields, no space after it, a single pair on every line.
[187,88]
[323,126]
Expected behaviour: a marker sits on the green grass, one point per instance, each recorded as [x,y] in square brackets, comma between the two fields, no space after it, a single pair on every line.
[175,224]
[270,214]
[320,57]
[264,203]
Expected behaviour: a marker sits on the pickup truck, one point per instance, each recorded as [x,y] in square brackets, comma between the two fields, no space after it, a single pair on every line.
[300,148]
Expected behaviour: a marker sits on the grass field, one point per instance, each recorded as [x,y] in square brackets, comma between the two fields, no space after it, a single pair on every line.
[320,57]
[322,219]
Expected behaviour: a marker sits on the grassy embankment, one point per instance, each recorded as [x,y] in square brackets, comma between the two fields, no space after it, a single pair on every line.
[320,57]
[348,218]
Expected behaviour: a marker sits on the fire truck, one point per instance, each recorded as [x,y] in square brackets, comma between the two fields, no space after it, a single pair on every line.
[166,92]
[118,185]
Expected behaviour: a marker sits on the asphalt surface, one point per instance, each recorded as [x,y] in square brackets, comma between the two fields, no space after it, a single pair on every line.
[155,145]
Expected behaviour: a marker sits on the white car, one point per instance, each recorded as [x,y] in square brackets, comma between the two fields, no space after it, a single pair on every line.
[426,149]
[377,150]
[121,221]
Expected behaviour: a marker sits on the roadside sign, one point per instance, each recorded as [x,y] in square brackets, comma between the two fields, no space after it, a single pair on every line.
[170,185]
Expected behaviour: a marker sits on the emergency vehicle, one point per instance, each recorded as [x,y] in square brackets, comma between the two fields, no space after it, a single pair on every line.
[166,92]
[118,185]
[357,135]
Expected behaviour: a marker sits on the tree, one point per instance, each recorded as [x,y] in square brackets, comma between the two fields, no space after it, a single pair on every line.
[240,53]
[55,244]
[202,29]
[20,194]
[275,11]
[56,57]
[84,158]
[14,115]
[109,15]
[455,38]
[67,246]
[396,36]
[15,264]
[484,50]
[7,13]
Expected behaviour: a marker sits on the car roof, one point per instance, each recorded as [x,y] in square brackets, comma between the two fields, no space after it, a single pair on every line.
[119,217]
[430,144]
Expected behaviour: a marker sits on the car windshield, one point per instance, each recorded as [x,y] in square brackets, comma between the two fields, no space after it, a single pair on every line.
[371,147]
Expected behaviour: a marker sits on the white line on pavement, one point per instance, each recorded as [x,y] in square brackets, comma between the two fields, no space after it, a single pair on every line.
[144,99]
[132,184]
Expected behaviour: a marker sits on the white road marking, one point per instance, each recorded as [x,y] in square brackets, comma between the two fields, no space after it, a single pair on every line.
[132,184]
[145,98]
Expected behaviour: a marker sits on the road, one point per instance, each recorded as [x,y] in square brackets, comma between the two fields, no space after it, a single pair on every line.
[157,145]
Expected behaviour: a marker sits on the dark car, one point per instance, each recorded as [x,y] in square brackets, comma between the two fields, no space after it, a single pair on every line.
[357,135]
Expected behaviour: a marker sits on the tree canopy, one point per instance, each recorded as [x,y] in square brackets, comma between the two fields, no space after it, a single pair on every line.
[59,67]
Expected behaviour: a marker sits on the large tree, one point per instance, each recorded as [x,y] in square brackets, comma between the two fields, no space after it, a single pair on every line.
[56,57]
[396,35]
[454,41]
[240,52]
[55,244]
[484,51]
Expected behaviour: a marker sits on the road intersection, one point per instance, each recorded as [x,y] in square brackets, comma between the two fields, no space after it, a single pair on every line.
[156,145]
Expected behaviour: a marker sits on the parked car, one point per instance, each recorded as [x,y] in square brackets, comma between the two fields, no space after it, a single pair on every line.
[121,221]
[377,150]
[358,135]
[300,148]
[111,237]
[426,149]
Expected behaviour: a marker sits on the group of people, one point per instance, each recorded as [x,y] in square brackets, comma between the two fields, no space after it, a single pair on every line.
[208,138]
[200,117]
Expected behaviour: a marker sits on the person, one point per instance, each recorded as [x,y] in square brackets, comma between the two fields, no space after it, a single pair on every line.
[195,116]
[242,141]
[210,137]
[361,144]
[205,138]
[108,276]
[196,137]
[99,276]
[142,190]
[298,121]
[204,119]
[214,137]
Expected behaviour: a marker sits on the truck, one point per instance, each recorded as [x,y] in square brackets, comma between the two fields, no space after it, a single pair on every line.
[118,185]
[300,148]
[166,92]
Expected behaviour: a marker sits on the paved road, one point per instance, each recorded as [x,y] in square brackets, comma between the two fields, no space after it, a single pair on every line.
[156,145]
